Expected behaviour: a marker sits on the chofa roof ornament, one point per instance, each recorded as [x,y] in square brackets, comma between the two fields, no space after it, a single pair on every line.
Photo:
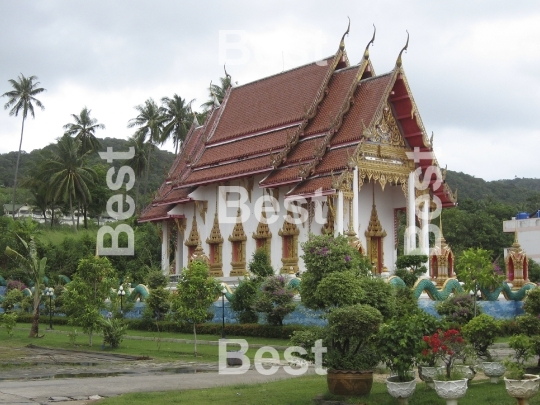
[398,61]
[366,52]
[342,43]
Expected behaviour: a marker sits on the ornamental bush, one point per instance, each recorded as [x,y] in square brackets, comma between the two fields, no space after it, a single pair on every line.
[275,300]
[481,333]
[457,309]
[243,300]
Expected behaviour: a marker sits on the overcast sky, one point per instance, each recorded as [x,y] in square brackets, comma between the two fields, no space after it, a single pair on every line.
[473,66]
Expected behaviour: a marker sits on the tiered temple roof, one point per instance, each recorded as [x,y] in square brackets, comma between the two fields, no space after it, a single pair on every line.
[301,127]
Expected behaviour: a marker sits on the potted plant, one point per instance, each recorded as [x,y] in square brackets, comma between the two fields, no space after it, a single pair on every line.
[481,333]
[399,342]
[335,284]
[450,383]
[518,384]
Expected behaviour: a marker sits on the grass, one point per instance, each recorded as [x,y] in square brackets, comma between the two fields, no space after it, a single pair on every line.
[302,390]
[156,349]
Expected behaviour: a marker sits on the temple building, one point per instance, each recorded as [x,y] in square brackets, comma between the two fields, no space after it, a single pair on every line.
[328,147]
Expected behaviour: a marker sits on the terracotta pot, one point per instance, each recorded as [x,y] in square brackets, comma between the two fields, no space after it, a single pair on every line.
[349,382]
[400,390]
[451,390]
[494,370]
[524,389]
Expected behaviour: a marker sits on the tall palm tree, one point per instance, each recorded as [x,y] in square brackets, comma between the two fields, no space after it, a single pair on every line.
[177,114]
[21,98]
[138,162]
[217,92]
[68,174]
[150,122]
[84,129]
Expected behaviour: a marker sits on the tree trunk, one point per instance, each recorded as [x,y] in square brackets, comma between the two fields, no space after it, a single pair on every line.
[34,329]
[85,212]
[90,338]
[52,216]
[17,166]
[147,169]
[195,335]
[78,213]
[137,197]
[72,215]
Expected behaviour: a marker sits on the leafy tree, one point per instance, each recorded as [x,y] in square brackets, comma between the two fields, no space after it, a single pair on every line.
[410,267]
[158,302]
[177,114]
[139,162]
[275,300]
[243,300]
[217,92]
[150,123]
[85,296]
[481,333]
[260,265]
[534,271]
[68,174]
[196,292]
[22,98]
[12,298]
[84,129]
[476,271]
[35,266]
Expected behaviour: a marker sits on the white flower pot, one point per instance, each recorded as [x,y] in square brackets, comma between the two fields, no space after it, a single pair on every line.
[427,374]
[400,390]
[524,389]
[451,390]
[493,370]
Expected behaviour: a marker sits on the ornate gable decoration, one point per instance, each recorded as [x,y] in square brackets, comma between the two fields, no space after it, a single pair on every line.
[375,228]
[215,234]
[238,233]
[386,130]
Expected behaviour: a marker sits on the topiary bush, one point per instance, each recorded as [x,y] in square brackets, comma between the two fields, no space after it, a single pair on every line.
[260,265]
[275,300]
[481,333]
[243,300]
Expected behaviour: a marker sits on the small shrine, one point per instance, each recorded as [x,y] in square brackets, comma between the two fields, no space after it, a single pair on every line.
[441,260]
[517,265]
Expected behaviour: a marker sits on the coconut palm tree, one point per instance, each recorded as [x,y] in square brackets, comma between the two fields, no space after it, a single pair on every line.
[177,114]
[22,98]
[138,162]
[68,174]
[217,92]
[84,129]
[30,261]
[150,122]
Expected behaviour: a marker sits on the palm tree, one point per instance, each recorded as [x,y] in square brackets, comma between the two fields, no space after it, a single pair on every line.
[217,92]
[138,162]
[68,174]
[177,114]
[36,267]
[150,122]
[84,129]
[22,98]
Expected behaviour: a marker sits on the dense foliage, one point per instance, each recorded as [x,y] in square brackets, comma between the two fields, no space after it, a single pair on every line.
[275,300]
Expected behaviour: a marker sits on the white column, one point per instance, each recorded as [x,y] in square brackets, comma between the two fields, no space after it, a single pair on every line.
[339,214]
[355,202]
[425,227]
[179,254]
[165,248]
[411,214]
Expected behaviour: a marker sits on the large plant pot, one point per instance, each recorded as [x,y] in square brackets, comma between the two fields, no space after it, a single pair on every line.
[451,391]
[426,374]
[348,382]
[494,370]
[524,389]
[400,390]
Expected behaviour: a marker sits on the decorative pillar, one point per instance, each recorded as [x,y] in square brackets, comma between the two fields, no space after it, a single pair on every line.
[411,221]
[339,214]
[425,228]
[179,257]
[165,263]
[356,224]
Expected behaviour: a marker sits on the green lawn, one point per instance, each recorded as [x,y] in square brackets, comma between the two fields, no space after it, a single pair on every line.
[302,390]
[156,348]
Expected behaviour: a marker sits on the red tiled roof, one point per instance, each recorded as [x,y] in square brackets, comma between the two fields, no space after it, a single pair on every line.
[265,142]
[173,196]
[272,101]
[324,183]
[367,98]
[154,213]
[282,175]
[335,159]
[338,87]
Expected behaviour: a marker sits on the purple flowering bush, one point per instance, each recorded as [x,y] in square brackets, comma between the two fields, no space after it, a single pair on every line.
[275,300]
[457,309]
[323,256]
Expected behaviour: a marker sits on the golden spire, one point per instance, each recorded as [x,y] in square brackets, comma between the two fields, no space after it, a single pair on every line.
[342,43]
[516,241]
[366,52]
[398,61]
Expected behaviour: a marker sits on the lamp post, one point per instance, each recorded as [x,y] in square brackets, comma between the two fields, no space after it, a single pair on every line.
[223,291]
[121,294]
[49,292]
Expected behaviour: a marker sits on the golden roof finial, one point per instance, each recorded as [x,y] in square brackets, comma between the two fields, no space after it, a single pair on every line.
[195,120]
[398,61]
[228,76]
[342,43]
[366,52]
[431,139]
